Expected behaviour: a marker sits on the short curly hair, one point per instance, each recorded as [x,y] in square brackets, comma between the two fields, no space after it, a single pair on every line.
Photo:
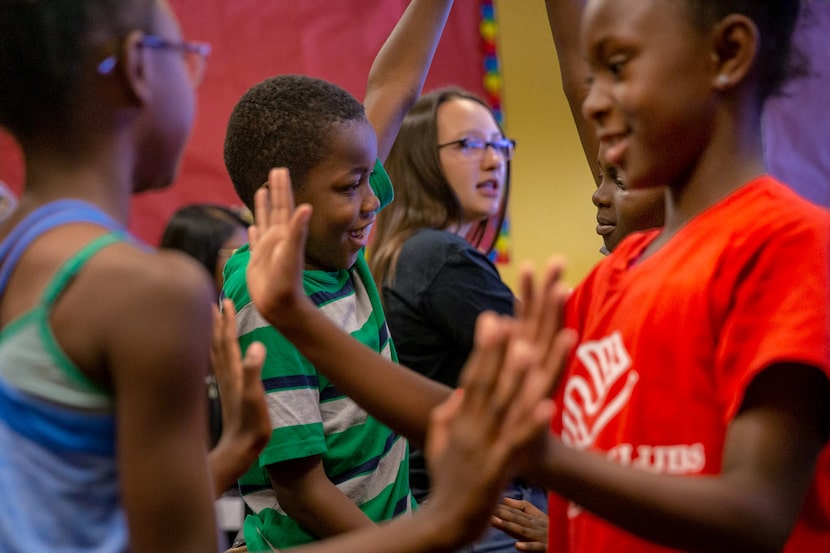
[284,121]
[44,47]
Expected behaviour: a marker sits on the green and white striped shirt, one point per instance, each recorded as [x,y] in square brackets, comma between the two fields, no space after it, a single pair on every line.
[366,460]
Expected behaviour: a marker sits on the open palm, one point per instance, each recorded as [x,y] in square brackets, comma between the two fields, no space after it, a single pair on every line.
[277,242]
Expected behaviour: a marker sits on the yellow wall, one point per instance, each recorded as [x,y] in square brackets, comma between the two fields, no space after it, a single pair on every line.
[550,203]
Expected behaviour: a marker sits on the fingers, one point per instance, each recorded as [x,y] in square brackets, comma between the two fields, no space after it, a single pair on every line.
[273,205]
[489,330]
[252,363]
[531,546]
[224,348]
[486,389]
[277,248]
[541,310]
[523,506]
[438,433]
[280,196]
[540,329]
[523,521]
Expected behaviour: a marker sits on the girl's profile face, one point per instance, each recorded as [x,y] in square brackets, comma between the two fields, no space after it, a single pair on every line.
[476,175]
[650,93]
[169,115]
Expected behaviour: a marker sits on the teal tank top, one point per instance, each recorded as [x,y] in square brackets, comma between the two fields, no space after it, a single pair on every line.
[58,472]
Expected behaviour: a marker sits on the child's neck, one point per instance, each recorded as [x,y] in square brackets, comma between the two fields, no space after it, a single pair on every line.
[733,157]
[52,177]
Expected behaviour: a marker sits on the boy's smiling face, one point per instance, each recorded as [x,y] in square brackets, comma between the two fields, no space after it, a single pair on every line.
[344,204]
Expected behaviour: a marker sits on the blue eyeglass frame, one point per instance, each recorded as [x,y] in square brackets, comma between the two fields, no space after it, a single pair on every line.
[504,146]
[203,49]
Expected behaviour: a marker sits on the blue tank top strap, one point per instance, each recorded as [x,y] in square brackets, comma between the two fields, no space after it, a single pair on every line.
[43,219]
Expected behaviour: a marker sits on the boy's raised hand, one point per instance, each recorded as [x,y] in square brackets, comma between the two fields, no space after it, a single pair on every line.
[277,243]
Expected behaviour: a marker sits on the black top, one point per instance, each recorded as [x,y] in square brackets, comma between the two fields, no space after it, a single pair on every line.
[441,285]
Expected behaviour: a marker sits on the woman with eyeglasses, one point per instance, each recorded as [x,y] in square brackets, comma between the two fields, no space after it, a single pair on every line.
[451,168]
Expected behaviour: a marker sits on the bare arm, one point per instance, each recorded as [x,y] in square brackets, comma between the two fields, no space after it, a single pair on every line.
[475,437]
[564,17]
[401,66]
[310,498]
[158,358]
[769,459]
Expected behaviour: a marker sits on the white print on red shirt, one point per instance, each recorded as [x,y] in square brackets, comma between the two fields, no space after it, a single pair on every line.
[592,400]
[588,403]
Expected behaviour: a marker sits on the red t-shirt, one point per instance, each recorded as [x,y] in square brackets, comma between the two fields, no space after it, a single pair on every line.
[668,346]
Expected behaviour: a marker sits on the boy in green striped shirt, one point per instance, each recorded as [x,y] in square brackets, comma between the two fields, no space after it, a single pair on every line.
[329,467]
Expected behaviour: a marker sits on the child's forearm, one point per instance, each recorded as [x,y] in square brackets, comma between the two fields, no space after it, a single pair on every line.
[228,460]
[399,397]
[750,505]
[401,66]
[427,531]
[323,509]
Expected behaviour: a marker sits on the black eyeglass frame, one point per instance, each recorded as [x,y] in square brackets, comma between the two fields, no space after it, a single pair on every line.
[505,147]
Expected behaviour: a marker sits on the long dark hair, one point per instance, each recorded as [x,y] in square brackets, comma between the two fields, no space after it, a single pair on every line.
[199,230]
[423,197]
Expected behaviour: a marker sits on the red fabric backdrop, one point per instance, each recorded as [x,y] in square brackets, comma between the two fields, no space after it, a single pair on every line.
[253,40]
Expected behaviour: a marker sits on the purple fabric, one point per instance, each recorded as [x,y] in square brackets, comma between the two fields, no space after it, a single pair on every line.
[797,126]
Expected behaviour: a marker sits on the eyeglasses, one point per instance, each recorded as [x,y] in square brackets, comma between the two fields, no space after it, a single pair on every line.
[194,54]
[474,148]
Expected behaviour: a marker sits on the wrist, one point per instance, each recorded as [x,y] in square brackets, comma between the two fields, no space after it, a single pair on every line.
[296,318]
[441,528]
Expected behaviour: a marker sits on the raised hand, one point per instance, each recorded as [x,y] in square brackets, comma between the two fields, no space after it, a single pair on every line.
[468,447]
[504,404]
[277,243]
[245,424]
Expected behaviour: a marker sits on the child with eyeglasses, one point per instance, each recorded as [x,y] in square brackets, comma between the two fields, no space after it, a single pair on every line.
[102,441]
[451,169]
[102,409]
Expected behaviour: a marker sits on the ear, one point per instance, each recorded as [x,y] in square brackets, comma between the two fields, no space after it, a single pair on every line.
[134,68]
[735,41]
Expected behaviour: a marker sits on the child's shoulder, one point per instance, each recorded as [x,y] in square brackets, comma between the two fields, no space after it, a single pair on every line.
[432,248]
[136,282]
[434,238]
[775,203]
